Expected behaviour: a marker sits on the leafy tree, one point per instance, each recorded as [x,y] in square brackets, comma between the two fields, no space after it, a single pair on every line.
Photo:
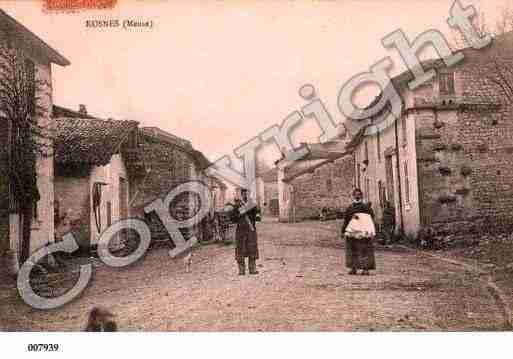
[20,108]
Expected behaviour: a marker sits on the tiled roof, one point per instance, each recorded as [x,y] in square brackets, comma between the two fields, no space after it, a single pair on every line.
[59,111]
[91,141]
[219,182]
[319,151]
[325,150]
[165,136]
[300,167]
[200,159]
[185,145]
[357,139]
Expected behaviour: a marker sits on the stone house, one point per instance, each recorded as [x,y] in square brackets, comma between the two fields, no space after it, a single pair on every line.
[446,163]
[220,188]
[323,178]
[38,62]
[95,163]
[170,162]
[128,168]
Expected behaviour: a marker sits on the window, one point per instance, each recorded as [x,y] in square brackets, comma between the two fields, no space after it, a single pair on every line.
[358,184]
[30,73]
[109,214]
[378,145]
[403,131]
[406,183]
[366,152]
[329,185]
[446,83]
[186,171]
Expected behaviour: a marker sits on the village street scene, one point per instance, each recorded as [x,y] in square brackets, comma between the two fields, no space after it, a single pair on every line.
[301,286]
[396,222]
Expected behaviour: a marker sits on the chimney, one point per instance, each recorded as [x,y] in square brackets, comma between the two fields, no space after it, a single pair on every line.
[82,109]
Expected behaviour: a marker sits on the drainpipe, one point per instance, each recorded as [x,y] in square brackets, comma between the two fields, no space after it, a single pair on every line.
[293,202]
[398,167]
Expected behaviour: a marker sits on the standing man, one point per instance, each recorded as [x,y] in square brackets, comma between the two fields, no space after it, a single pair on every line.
[245,213]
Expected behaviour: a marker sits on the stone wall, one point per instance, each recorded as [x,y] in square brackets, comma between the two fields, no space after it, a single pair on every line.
[170,166]
[72,203]
[4,189]
[467,172]
[110,174]
[466,156]
[328,186]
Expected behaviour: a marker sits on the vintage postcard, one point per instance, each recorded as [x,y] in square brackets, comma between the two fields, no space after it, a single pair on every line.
[255,166]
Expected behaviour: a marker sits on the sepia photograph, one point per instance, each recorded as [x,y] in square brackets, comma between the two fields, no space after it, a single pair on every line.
[323,171]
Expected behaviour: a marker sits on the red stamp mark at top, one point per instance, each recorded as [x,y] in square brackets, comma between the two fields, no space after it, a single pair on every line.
[72,5]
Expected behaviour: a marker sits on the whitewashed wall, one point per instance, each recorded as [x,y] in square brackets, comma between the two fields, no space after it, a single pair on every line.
[109,174]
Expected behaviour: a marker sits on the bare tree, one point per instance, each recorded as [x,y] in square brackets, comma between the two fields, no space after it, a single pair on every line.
[20,108]
[480,25]
[505,22]
[498,69]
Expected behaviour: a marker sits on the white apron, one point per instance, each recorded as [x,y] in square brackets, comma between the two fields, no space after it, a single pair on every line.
[361,225]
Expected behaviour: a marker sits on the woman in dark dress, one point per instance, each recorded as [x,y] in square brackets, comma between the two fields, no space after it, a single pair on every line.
[359,251]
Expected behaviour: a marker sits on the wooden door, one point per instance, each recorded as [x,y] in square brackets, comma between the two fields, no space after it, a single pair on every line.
[274,207]
[390,180]
[123,198]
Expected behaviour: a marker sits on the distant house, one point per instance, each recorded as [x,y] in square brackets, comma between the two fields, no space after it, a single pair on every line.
[270,204]
[217,187]
[323,178]
[96,163]
[38,63]
[446,163]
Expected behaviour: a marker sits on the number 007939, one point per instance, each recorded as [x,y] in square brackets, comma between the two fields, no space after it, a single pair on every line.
[43,347]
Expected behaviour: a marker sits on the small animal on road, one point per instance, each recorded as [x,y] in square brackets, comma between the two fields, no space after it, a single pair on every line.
[187,260]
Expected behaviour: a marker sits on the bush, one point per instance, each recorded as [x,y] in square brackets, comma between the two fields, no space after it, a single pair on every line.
[445,171]
[438,124]
[407,239]
[465,171]
[445,199]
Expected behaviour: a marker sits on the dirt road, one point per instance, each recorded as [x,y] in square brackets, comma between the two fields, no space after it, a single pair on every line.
[302,286]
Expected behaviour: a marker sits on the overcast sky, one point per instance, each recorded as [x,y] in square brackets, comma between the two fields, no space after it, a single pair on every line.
[218,73]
